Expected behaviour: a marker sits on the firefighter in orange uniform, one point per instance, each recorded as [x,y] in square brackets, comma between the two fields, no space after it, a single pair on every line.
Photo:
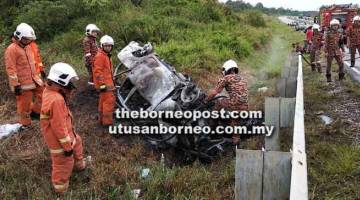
[103,80]
[56,123]
[23,79]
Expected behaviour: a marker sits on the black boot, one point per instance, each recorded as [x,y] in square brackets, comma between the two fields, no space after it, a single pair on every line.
[313,67]
[319,68]
[341,76]
[352,64]
[328,78]
[35,115]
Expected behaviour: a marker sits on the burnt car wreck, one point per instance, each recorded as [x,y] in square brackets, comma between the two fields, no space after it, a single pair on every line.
[145,81]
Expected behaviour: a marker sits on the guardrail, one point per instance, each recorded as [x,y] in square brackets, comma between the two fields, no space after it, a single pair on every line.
[270,173]
[299,181]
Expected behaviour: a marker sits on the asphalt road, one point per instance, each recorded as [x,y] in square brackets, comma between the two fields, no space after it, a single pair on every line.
[353,72]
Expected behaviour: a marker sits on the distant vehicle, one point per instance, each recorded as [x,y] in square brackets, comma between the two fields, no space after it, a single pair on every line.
[302,26]
[343,12]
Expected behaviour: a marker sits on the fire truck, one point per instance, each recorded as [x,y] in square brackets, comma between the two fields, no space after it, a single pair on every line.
[343,12]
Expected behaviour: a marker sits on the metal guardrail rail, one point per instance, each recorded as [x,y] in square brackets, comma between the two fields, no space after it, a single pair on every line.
[271,173]
[299,181]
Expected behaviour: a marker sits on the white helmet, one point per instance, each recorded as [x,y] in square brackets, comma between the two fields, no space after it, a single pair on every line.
[229,65]
[106,40]
[62,74]
[334,22]
[316,27]
[25,30]
[356,18]
[90,28]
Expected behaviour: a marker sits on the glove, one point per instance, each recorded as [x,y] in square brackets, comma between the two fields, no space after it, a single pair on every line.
[88,65]
[68,153]
[43,74]
[103,88]
[18,90]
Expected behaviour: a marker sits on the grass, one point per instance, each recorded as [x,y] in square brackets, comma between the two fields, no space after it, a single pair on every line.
[196,37]
[332,152]
[115,171]
[264,67]
[191,35]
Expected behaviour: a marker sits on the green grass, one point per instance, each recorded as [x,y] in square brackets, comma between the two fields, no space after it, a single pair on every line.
[189,34]
[196,37]
[333,158]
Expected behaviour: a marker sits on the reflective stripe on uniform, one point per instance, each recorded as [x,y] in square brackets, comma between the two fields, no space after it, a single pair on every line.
[28,86]
[13,77]
[74,142]
[56,151]
[44,116]
[61,187]
[65,139]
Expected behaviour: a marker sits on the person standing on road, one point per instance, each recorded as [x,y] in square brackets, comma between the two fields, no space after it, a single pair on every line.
[316,43]
[333,50]
[56,122]
[353,34]
[309,35]
[103,79]
[24,81]
[90,48]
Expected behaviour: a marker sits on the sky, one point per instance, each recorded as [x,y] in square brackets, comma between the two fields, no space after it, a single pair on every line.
[302,5]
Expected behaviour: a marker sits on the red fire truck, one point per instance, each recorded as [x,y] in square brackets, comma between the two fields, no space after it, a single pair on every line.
[344,13]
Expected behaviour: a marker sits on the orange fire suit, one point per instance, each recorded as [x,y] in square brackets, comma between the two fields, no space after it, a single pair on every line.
[20,68]
[60,137]
[37,58]
[103,76]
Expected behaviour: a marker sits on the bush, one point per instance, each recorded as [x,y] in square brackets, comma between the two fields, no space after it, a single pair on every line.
[256,19]
[49,18]
[189,34]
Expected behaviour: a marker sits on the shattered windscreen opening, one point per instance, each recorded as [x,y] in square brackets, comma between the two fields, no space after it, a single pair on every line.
[152,79]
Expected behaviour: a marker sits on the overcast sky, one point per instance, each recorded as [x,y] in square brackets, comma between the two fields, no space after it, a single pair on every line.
[302,5]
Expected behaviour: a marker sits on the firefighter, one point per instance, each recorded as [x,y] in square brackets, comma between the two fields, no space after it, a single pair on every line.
[299,48]
[354,39]
[309,34]
[38,60]
[103,79]
[333,45]
[90,48]
[237,89]
[57,127]
[23,79]
[39,68]
[316,43]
